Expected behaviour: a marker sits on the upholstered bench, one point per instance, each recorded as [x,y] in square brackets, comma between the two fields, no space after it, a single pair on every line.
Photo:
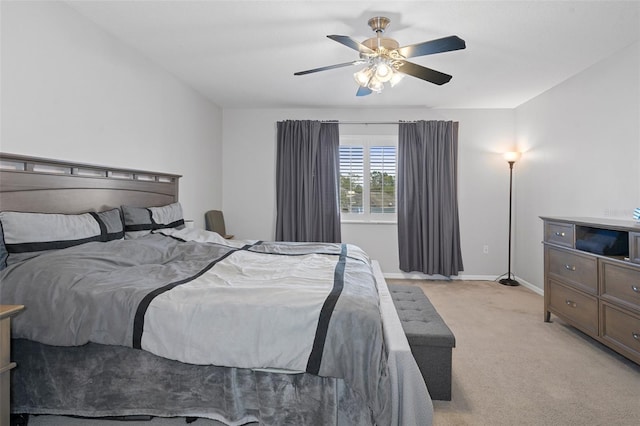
[430,338]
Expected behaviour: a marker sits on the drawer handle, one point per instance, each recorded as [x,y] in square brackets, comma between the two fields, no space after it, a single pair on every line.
[571,303]
[570,267]
[560,234]
[635,288]
[635,335]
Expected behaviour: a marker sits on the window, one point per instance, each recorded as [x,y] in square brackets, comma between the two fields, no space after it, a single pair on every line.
[368,177]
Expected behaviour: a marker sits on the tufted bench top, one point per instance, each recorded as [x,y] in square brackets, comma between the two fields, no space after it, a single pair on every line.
[421,322]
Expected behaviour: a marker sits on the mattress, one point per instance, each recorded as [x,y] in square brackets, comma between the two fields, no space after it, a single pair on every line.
[258,311]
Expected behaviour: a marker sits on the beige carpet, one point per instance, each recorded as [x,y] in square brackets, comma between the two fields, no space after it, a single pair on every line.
[509,366]
[512,368]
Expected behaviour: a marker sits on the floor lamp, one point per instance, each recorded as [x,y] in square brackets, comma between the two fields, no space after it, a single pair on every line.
[511,158]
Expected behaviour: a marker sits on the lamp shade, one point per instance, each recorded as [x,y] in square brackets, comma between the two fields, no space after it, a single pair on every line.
[512,156]
[363,76]
[396,78]
[375,84]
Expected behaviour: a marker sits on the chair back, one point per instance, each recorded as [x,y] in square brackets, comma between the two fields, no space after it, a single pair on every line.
[214,221]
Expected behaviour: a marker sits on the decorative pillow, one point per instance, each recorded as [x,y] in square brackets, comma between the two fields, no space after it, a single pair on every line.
[140,221]
[26,235]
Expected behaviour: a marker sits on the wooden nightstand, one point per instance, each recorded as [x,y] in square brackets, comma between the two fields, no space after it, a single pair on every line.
[6,312]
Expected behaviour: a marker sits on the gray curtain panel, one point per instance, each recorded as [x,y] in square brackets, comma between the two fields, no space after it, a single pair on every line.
[307,181]
[428,228]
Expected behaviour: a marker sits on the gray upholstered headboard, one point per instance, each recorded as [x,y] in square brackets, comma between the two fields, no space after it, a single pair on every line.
[30,184]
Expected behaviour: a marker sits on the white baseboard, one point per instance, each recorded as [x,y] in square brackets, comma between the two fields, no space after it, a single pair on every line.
[419,276]
[531,287]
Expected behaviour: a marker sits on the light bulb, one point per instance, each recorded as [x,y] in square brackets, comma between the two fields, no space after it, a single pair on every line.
[383,72]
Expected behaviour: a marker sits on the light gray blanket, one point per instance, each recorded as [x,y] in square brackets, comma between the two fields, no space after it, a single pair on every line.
[318,309]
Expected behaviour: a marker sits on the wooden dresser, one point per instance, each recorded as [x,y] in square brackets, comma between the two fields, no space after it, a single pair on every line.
[593,283]
[6,312]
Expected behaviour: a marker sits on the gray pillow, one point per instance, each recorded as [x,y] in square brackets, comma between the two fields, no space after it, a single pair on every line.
[25,235]
[140,221]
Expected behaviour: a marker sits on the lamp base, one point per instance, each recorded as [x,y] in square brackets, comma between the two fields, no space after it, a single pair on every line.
[509,281]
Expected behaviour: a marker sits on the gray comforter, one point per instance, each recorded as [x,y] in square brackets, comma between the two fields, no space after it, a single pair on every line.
[285,306]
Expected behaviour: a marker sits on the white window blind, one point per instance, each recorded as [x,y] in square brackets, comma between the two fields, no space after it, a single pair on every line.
[382,172]
[368,178]
[351,179]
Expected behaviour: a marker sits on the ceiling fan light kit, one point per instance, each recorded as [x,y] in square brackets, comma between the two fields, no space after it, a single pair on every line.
[375,75]
[386,61]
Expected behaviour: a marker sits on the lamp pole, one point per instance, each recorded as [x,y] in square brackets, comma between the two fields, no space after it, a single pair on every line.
[511,158]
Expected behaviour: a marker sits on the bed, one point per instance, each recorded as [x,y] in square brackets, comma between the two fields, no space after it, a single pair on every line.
[129,313]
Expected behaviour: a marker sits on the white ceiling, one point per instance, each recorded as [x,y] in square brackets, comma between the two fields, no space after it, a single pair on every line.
[244,53]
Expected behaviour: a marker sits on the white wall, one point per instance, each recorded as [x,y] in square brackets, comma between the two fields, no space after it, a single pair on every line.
[581,143]
[72,91]
[249,146]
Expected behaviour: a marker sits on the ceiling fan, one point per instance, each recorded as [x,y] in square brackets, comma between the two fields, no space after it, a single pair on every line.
[386,60]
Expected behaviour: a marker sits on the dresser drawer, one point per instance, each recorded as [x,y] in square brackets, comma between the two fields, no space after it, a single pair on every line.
[573,268]
[578,308]
[559,233]
[622,329]
[634,247]
[620,283]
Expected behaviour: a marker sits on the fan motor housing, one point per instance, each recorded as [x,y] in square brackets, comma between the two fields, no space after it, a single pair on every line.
[387,43]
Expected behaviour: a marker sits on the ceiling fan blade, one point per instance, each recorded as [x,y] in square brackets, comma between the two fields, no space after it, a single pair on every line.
[423,73]
[329,67]
[349,42]
[445,44]
[363,91]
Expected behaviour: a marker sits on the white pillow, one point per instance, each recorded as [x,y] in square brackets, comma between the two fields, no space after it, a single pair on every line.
[26,235]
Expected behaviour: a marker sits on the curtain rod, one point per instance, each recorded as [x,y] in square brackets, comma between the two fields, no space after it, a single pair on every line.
[373,122]
[378,122]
